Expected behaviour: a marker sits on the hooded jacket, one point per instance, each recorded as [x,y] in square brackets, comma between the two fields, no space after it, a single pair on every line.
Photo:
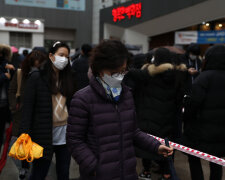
[158,93]
[204,129]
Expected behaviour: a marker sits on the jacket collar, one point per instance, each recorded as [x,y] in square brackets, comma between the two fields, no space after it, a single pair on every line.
[99,89]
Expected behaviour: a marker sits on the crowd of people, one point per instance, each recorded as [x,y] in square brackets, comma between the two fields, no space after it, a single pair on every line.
[99,106]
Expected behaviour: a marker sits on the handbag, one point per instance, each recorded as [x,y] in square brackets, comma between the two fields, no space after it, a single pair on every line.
[25,149]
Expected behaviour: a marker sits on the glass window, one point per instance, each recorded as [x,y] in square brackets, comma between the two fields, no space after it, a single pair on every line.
[19,39]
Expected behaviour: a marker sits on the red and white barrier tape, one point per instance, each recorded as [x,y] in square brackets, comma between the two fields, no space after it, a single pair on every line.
[193,152]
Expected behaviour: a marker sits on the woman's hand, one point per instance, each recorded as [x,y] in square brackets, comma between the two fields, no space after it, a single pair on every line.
[192,71]
[8,75]
[10,67]
[165,151]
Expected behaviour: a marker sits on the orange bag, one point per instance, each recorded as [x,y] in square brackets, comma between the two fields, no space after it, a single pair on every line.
[25,149]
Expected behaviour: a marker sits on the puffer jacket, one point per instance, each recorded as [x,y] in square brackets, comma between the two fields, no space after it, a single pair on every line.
[158,94]
[101,134]
[37,110]
[204,129]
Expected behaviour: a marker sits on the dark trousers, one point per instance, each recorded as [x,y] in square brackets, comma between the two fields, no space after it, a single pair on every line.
[197,173]
[146,164]
[164,165]
[41,166]
[5,116]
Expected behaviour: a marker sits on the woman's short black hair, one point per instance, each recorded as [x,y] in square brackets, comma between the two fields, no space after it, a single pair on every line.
[110,55]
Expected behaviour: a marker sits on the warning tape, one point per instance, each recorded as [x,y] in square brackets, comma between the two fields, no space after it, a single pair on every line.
[193,152]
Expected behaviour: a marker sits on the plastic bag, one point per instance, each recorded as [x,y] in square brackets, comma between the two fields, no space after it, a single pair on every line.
[25,149]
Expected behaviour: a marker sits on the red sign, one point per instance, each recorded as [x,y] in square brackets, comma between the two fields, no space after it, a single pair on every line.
[132,10]
[28,26]
[22,25]
[8,24]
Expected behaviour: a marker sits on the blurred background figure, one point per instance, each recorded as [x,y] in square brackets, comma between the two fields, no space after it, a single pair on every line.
[157,95]
[192,61]
[16,58]
[24,54]
[5,76]
[138,60]
[75,56]
[41,49]
[16,94]
[80,66]
[204,129]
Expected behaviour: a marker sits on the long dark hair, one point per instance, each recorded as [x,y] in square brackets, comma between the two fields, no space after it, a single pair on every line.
[66,83]
[30,60]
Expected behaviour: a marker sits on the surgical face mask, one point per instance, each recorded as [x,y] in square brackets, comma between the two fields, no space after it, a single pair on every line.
[113,81]
[192,57]
[60,62]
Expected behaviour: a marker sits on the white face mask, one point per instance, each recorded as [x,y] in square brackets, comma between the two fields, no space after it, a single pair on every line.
[113,81]
[60,62]
[192,57]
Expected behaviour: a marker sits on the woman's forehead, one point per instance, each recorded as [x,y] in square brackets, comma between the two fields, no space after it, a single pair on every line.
[62,50]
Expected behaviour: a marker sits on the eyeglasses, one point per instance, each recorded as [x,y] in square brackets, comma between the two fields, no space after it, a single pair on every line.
[117,74]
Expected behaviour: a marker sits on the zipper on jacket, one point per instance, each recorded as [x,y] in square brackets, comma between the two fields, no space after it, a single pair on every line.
[121,141]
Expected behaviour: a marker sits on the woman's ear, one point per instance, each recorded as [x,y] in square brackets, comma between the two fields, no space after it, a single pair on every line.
[51,57]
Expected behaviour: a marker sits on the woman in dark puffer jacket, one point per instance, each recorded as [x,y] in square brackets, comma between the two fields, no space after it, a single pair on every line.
[102,131]
[205,128]
[158,91]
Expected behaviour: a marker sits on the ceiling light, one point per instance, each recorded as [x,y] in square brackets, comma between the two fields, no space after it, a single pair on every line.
[26,21]
[207,24]
[220,25]
[38,22]
[2,20]
[14,21]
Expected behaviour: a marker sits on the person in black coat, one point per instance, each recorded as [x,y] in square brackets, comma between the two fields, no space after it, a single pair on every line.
[193,63]
[16,94]
[80,66]
[5,76]
[156,89]
[205,127]
[45,111]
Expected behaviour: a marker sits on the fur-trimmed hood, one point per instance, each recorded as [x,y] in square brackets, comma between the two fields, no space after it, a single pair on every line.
[154,70]
[6,50]
[181,67]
